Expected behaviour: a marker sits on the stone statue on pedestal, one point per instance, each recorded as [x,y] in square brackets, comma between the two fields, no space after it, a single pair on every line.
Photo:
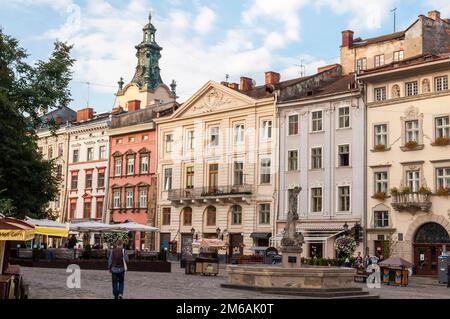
[292,240]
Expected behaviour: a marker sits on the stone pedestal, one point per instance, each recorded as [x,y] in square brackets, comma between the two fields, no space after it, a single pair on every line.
[291,258]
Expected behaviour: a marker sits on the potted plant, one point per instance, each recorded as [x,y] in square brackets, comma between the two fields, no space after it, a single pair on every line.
[380,195]
[411,145]
[443,191]
[380,147]
[345,246]
[425,190]
[406,190]
[394,191]
[442,141]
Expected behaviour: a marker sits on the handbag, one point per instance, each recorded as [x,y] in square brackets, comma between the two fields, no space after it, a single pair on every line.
[123,259]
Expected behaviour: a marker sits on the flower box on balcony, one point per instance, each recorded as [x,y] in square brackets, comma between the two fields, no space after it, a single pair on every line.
[443,191]
[380,148]
[379,195]
[441,141]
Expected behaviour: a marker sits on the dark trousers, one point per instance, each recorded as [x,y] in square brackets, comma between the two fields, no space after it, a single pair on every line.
[118,283]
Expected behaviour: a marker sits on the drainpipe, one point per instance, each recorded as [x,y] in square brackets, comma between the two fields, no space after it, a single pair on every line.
[277,187]
[363,95]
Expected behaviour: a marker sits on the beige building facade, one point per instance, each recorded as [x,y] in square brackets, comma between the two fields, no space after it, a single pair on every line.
[217,169]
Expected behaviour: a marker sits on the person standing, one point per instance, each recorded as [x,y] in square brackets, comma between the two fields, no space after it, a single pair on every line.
[117,265]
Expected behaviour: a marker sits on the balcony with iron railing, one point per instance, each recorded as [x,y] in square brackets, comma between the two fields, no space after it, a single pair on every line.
[215,193]
[411,202]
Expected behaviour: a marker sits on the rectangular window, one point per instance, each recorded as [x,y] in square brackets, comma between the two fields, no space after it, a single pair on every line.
[50,152]
[116,199]
[265,170]
[381,134]
[213,178]
[292,160]
[143,198]
[101,180]
[118,167]
[412,88]
[90,154]
[72,210]
[99,208]
[441,83]
[74,182]
[131,139]
[130,165]
[75,156]
[60,149]
[344,155]
[144,138]
[190,177]
[187,216]
[381,182]
[264,214]
[398,55]
[293,125]
[344,198]
[361,65]
[316,158]
[443,127]
[412,131]
[380,94]
[413,180]
[190,140]
[211,217]
[144,164]
[379,60]
[316,199]
[344,117]
[59,172]
[169,143]
[214,136]
[443,178]
[119,141]
[88,180]
[381,219]
[317,121]
[166,216]
[167,179]
[102,152]
[129,198]
[238,173]
[239,134]
[58,200]
[87,209]
[266,130]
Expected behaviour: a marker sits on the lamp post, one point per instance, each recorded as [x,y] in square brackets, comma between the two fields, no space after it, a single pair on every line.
[218,231]
[345,228]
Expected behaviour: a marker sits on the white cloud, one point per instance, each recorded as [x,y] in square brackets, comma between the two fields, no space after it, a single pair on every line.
[205,20]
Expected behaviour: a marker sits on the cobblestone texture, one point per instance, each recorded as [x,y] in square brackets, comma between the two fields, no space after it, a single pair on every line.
[51,284]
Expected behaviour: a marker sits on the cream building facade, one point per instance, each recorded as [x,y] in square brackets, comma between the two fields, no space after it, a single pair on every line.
[408,152]
[217,168]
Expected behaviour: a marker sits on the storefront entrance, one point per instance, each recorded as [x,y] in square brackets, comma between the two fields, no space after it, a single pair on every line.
[428,245]
[316,250]
[186,244]
[236,245]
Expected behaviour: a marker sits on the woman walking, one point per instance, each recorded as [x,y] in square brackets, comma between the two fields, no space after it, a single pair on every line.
[117,265]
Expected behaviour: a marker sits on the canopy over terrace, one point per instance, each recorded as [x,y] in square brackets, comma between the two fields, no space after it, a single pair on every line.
[15,230]
[49,227]
[96,227]
[132,226]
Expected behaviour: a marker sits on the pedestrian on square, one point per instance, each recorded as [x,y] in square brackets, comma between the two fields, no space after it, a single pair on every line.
[117,265]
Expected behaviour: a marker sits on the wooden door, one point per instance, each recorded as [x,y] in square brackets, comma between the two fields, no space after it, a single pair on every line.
[213,178]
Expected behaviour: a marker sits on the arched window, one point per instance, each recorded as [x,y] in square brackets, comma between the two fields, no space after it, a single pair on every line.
[236,215]
[211,216]
[187,216]
[432,233]
[395,91]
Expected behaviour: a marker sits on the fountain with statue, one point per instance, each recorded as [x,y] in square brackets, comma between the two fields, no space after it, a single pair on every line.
[291,277]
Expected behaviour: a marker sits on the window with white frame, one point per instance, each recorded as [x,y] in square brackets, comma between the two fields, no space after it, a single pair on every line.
[344,117]
[144,164]
[169,143]
[412,88]
[265,170]
[381,182]
[316,158]
[380,94]
[239,134]
[116,199]
[238,173]
[266,128]
[90,154]
[441,83]
[293,124]
[316,121]
[264,214]
[102,152]
[316,199]
[361,64]
[190,177]
[413,180]
[190,140]
[129,198]
[344,155]
[344,198]
[143,196]
[293,160]
[118,167]
[167,179]
[130,165]
[442,127]
[213,136]
[412,131]
[381,219]
[236,215]
[381,134]
[379,60]
[399,55]
[443,178]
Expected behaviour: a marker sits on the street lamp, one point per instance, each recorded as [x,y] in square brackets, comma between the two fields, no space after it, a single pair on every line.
[192,231]
[218,231]
[345,228]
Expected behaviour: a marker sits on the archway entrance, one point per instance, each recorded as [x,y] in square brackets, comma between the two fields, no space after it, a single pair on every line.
[428,245]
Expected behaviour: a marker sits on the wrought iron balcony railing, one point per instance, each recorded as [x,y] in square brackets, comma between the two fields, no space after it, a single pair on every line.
[411,202]
[201,193]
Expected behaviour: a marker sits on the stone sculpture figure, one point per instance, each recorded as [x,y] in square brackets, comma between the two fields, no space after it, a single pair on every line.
[291,238]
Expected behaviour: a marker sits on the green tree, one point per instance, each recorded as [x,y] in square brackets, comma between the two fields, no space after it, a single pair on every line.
[27,181]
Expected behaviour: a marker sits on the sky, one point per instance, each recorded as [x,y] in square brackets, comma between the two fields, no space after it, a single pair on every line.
[202,40]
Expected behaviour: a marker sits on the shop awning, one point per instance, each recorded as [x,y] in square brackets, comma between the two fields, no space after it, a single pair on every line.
[48,227]
[15,230]
[257,235]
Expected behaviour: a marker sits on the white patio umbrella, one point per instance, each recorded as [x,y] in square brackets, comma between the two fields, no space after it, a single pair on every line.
[132,226]
[93,226]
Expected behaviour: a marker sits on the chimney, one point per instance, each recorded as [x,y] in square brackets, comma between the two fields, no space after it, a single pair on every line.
[117,110]
[272,78]
[234,86]
[133,105]
[435,15]
[85,114]
[246,84]
[224,83]
[347,38]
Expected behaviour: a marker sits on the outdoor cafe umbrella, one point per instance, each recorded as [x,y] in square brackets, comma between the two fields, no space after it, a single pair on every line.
[132,226]
[396,262]
[48,227]
[93,226]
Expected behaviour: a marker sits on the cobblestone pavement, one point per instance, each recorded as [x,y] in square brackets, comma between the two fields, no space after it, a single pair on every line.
[51,284]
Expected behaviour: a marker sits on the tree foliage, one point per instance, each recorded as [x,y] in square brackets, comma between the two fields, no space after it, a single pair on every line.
[27,181]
